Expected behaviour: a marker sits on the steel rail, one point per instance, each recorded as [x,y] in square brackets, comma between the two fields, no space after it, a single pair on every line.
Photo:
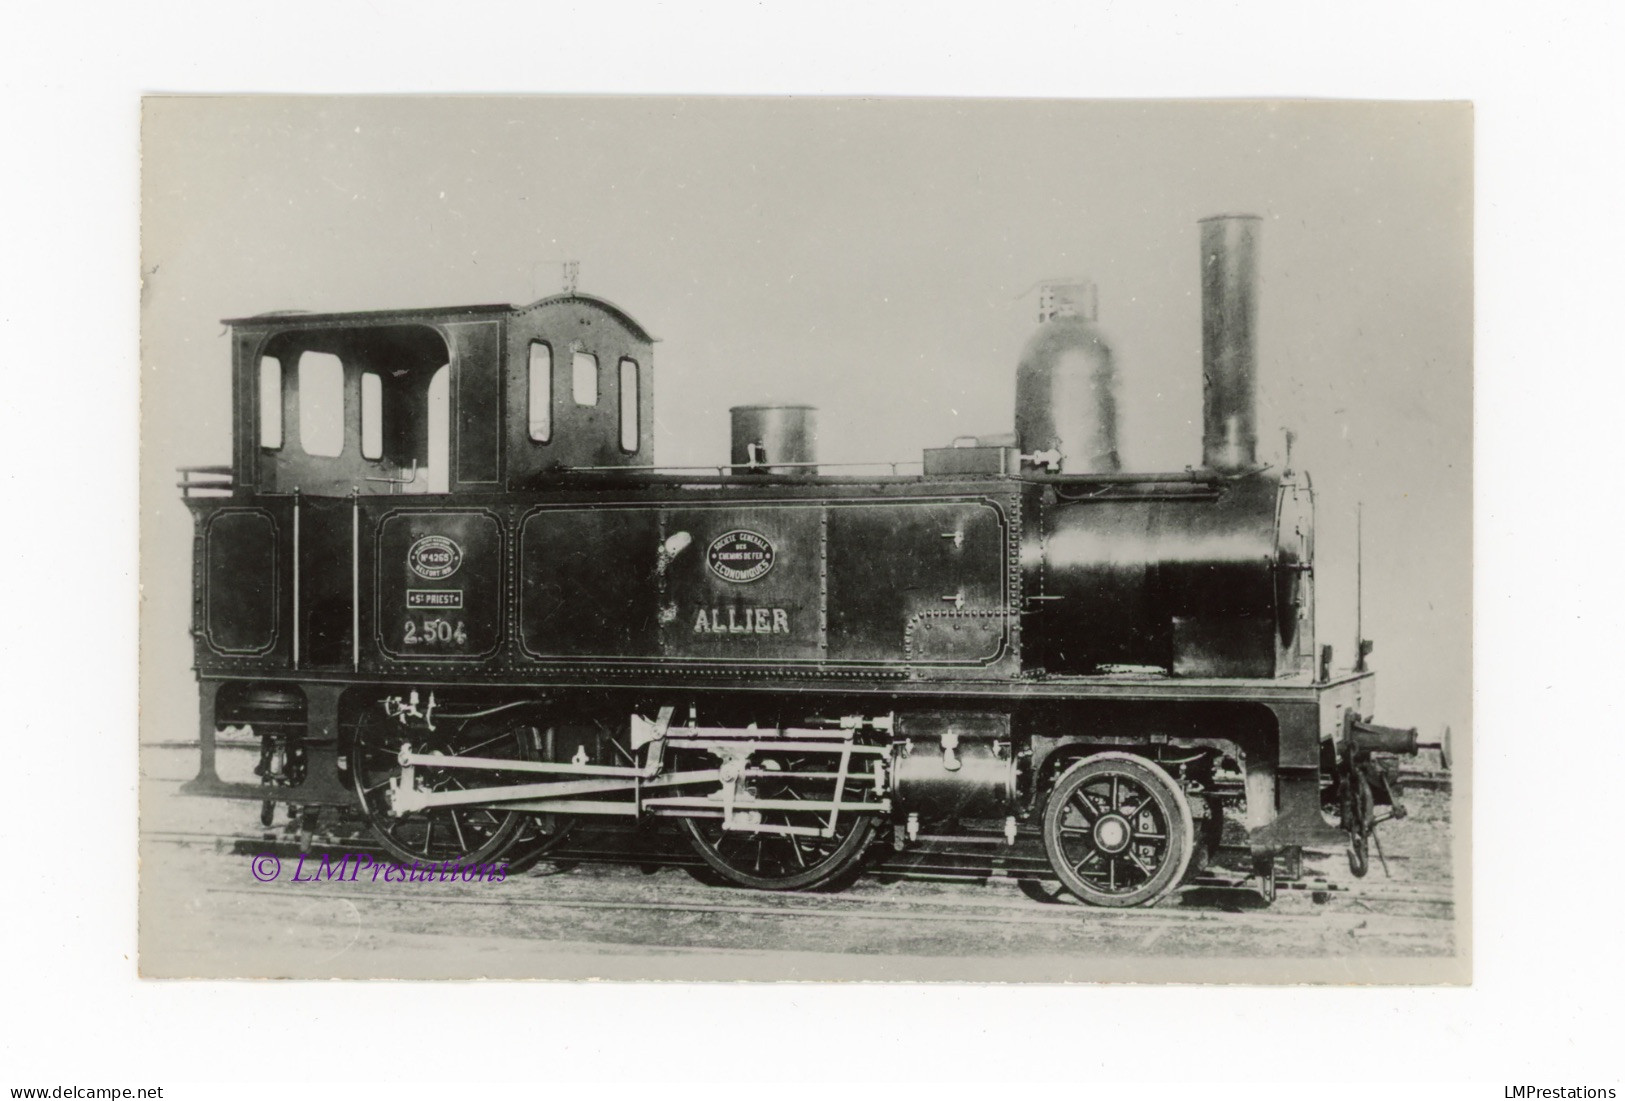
[850,909]
[940,869]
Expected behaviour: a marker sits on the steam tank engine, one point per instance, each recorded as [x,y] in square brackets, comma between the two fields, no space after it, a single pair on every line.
[482,640]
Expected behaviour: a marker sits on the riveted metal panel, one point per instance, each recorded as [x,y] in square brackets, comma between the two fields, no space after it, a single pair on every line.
[477,352]
[326,616]
[438,584]
[743,583]
[242,582]
[587,582]
[580,435]
[921,580]
[955,638]
[1185,583]
[247,477]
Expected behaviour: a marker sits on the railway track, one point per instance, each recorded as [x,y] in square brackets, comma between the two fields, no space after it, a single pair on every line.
[956,913]
[934,884]
[1209,897]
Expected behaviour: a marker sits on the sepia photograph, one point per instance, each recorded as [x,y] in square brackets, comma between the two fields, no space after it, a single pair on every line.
[758,549]
[786,538]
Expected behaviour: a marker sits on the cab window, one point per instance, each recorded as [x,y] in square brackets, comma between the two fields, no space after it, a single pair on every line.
[270,403]
[436,476]
[372,416]
[629,405]
[584,378]
[364,408]
[321,404]
[541,391]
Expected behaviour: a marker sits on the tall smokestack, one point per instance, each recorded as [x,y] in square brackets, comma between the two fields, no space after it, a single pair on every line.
[1229,350]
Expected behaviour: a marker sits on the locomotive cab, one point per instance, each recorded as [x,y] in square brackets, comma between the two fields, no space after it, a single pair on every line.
[342,408]
[463,400]
[580,392]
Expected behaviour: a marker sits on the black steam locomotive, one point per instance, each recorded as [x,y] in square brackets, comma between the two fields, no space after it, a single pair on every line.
[443,580]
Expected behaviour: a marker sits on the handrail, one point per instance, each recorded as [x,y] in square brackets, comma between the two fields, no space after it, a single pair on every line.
[603,478]
[813,469]
[196,480]
[737,469]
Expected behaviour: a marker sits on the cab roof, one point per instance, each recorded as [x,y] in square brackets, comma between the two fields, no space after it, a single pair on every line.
[433,313]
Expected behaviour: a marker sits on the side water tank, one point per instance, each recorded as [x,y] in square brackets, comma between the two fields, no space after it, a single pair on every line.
[1066,387]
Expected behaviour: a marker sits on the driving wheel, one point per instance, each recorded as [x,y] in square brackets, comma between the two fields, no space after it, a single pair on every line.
[773,859]
[459,834]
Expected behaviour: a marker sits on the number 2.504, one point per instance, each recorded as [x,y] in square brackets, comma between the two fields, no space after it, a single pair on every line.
[435,632]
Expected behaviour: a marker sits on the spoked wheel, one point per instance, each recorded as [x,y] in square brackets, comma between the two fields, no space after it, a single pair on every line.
[1360,822]
[1118,830]
[464,835]
[770,861]
[539,836]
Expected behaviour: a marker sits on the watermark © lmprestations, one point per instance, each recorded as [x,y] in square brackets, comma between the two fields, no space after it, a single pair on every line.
[364,868]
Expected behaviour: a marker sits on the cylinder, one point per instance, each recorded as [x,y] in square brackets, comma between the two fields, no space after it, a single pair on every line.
[1066,397]
[975,778]
[948,766]
[1229,343]
[774,439]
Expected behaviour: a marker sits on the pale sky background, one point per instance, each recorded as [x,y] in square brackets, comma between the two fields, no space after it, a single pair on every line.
[871,257]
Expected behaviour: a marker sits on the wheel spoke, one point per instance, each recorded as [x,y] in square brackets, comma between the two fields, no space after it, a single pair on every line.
[768,857]
[404,833]
[472,751]
[1117,830]
[475,833]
